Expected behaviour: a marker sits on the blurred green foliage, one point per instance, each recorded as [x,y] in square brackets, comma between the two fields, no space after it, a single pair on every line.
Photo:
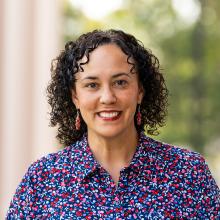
[189,55]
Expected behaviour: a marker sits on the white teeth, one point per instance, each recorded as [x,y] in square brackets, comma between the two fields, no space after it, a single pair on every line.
[108,114]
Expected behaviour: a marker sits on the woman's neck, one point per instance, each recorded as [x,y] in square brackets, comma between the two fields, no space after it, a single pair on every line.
[116,152]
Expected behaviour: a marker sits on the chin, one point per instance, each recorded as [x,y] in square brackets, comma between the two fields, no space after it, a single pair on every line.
[110,132]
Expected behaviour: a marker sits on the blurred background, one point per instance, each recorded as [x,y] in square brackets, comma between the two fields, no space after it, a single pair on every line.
[184,35]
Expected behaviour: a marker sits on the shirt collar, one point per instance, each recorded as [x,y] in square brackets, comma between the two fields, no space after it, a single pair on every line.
[142,153]
[84,163]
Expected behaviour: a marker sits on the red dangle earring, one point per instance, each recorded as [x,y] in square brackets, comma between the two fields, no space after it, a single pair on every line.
[77,121]
[139,115]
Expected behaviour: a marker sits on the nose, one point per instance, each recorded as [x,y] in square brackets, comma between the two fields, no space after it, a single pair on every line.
[107,96]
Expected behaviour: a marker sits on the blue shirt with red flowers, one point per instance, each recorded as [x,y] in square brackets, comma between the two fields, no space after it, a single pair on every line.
[161,182]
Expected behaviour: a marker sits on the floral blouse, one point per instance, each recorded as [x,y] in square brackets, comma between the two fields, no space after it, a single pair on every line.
[161,182]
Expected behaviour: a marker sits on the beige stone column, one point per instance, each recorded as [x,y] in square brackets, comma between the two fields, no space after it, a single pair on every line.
[29,39]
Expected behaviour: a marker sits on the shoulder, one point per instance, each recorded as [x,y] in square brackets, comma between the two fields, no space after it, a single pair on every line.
[176,162]
[185,173]
[56,164]
[179,165]
[44,179]
[170,154]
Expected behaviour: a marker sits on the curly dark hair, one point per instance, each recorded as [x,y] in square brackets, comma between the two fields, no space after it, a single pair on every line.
[66,65]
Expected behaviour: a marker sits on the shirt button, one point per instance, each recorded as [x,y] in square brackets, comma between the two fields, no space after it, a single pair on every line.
[117,201]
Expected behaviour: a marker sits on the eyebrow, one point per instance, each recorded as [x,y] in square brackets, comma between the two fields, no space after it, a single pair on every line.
[114,76]
[121,74]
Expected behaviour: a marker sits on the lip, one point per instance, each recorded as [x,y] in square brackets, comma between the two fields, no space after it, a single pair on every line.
[111,110]
[111,118]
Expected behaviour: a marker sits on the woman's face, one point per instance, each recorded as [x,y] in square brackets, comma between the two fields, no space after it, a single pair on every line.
[107,93]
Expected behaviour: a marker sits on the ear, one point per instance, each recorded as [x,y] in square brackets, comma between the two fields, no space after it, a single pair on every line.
[75,99]
[140,94]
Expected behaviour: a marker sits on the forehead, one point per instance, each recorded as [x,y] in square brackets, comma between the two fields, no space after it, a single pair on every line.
[106,59]
[108,51]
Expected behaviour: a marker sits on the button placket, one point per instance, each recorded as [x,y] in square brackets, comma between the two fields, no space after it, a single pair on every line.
[117,200]
[120,192]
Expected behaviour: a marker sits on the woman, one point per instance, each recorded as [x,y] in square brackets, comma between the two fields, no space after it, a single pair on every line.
[106,90]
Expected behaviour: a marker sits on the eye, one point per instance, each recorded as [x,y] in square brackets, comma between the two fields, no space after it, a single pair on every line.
[92,85]
[121,83]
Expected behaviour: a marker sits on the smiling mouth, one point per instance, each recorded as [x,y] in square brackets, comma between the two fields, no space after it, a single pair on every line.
[109,116]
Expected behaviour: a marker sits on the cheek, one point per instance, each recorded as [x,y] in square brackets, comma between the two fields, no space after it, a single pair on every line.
[87,108]
[87,102]
[129,101]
